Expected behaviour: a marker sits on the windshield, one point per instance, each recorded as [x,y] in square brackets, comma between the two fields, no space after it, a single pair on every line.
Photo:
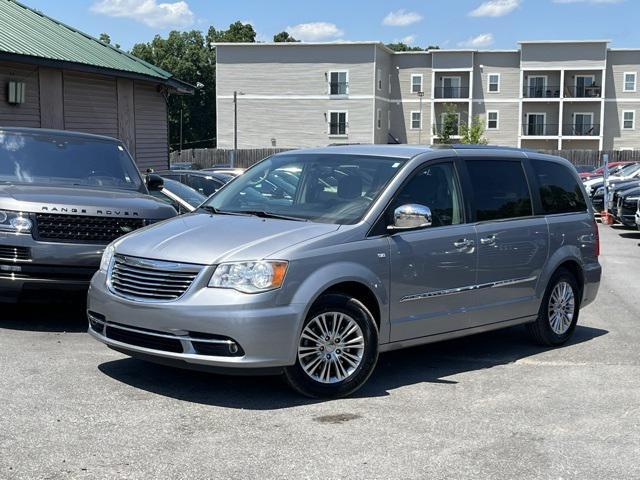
[188,194]
[628,170]
[327,188]
[43,158]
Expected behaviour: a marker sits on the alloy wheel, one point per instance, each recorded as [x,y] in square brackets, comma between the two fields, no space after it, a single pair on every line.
[562,307]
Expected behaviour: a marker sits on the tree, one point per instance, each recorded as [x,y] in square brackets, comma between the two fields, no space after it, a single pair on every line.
[450,126]
[403,47]
[474,133]
[284,37]
[105,38]
[190,57]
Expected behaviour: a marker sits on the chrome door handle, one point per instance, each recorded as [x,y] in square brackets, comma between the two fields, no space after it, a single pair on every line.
[490,240]
[464,243]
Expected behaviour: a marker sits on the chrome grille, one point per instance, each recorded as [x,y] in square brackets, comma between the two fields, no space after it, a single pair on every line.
[15,254]
[150,280]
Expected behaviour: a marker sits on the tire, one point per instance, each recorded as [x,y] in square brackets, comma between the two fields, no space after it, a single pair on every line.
[551,332]
[351,360]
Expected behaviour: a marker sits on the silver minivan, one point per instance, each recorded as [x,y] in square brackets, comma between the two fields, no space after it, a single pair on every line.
[315,261]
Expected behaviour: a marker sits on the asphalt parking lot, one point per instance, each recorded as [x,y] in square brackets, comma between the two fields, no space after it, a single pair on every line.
[490,406]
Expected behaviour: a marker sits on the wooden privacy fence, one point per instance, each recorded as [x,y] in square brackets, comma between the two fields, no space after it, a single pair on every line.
[209,157]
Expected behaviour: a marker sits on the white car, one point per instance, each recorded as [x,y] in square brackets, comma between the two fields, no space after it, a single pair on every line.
[627,173]
[638,215]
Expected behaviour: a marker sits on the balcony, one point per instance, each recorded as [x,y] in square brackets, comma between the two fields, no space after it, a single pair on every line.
[451,92]
[540,129]
[577,130]
[591,91]
[548,91]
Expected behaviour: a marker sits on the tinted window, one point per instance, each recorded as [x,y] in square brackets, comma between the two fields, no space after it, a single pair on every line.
[435,187]
[500,189]
[205,185]
[559,190]
[186,193]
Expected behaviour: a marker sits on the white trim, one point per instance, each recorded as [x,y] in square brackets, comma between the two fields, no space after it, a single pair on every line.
[544,124]
[459,87]
[378,118]
[624,81]
[489,82]
[545,84]
[346,124]
[298,97]
[497,112]
[346,72]
[413,75]
[411,127]
[622,100]
[633,120]
[445,70]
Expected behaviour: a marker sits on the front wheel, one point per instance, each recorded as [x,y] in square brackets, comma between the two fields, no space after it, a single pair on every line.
[337,349]
[559,311]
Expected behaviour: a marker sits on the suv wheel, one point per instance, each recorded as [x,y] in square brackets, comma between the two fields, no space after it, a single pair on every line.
[559,311]
[337,349]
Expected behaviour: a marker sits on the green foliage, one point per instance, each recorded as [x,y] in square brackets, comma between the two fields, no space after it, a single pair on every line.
[473,134]
[284,37]
[403,47]
[449,126]
[105,38]
[190,57]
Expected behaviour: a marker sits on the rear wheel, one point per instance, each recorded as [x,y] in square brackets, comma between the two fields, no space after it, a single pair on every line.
[559,310]
[337,349]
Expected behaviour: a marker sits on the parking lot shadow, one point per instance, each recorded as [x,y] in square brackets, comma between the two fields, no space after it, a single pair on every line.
[433,363]
[63,317]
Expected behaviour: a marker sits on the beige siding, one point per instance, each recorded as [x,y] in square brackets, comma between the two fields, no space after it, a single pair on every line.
[151,127]
[591,144]
[564,55]
[406,65]
[90,103]
[507,65]
[508,128]
[28,113]
[384,68]
[425,133]
[615,136]
[619,63]
[540,144]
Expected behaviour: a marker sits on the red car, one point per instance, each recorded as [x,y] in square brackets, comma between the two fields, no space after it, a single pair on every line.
[598,172]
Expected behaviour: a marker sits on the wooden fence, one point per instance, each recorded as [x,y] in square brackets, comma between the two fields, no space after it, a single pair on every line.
[209,157]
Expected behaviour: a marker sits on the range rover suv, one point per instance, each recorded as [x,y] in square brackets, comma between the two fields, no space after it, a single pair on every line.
[323,258]
[63,197]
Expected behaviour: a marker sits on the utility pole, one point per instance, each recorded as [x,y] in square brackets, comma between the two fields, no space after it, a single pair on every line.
[420,96]
[235,128]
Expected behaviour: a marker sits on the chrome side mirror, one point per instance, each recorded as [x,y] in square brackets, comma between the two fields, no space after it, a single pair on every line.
[411,215]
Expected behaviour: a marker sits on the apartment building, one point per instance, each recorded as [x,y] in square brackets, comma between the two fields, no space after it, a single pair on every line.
[544,95]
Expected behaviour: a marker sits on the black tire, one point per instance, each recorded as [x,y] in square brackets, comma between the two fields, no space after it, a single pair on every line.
[303,383]
[541,330]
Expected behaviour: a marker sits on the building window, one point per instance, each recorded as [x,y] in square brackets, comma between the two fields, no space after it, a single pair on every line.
[494,83]
[416,121]
[338,122]
[339,83]
[629,82]
[379,119]
[629,120]
[379,79]
[492,120]
[416,83]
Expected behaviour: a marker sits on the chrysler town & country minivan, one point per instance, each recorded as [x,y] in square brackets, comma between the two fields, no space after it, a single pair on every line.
[315,261]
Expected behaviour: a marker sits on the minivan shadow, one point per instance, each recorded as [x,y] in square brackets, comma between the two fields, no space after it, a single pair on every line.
[69,316]
[433,363]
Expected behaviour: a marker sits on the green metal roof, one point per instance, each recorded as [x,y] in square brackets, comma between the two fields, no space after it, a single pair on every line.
[24,31]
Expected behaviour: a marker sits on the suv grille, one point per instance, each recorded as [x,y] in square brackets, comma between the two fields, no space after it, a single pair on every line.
[14,254]
[154,280]
[80,228]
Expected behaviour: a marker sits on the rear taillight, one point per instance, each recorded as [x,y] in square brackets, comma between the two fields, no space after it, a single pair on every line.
[597,234]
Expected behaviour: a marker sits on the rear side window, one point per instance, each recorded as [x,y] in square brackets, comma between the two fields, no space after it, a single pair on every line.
[559,190]
[500,189]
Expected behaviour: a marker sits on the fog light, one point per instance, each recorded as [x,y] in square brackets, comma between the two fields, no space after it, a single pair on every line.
[233,348]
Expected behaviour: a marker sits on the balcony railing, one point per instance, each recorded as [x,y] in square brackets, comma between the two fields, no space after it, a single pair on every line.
[548,91]
[451,92]
[338,88]
[592,91]
[540,129]
[588,130]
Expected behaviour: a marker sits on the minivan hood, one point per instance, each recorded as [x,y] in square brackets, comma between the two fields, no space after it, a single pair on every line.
[82,201]
[209,239]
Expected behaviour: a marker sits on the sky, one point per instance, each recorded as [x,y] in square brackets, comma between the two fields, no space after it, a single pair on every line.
[484,24]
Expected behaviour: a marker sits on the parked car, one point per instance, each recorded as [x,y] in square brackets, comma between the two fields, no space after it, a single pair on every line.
[184,166]
[63,197]
[584,168]
[225,170]
[206,183]
[614,167]
[628,172]
[376,248]
[638,215]
[597,199]
[626,205]
[181,197]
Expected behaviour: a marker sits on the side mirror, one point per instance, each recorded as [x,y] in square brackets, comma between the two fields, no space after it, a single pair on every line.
[154,182]
[410,216]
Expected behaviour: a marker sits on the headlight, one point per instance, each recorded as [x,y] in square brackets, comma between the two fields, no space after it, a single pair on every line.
[15,222]
[107,256]
[249,277]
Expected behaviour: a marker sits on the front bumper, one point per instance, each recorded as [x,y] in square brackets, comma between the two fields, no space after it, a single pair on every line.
[264,332]
[45,266]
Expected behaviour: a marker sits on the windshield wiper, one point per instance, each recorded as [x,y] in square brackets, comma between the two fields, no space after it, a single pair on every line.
[263,214]
[215,211]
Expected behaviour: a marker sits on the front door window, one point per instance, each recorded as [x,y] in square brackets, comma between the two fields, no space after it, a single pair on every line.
[583,85]
[583,124]
[537,87]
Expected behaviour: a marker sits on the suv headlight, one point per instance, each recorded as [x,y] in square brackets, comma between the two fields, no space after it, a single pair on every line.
[249,277]
[15,222]
[107,256]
